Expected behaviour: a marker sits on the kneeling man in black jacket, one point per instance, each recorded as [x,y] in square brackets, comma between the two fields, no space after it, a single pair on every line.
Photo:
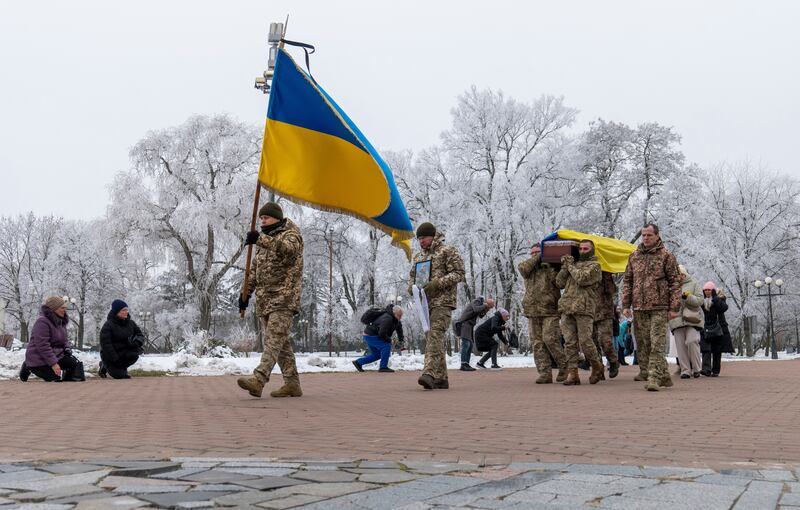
[121,342]
[378,335]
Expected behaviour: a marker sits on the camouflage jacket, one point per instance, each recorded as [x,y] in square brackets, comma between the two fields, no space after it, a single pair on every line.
[447,270]
[277,271]
[541,292]
[652,280]
[579,281]
[606,292]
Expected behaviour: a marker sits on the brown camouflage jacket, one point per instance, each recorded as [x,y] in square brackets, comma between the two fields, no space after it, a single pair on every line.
[447,270]
[652,280]
[277,271]
[606,292]
[541,292]
[579,281]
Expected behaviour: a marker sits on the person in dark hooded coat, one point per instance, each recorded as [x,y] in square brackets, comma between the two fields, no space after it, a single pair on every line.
[378,336]
[484,337]
[121,342]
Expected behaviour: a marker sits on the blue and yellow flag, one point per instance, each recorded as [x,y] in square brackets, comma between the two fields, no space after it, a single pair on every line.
[315,155]
[611,253]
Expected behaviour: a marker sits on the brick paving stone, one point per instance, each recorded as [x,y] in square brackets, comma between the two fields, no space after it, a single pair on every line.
[325,476]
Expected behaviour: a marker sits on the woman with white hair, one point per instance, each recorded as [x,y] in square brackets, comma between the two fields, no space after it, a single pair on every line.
[687,325]
[484,337]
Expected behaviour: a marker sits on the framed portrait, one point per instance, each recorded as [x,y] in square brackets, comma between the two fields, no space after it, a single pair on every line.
[423,273]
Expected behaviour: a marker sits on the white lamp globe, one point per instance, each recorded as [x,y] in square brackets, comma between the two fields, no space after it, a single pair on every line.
[768,280]
[758,284]
[778,282]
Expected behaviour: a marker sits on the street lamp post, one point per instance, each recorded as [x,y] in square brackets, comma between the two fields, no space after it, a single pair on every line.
[768,281]
[330,292]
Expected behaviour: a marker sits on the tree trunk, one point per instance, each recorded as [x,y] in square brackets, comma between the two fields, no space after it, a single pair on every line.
[204,303]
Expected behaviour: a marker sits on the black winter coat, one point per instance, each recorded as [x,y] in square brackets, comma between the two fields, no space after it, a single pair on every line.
[385,325]
[484,334]
[714,314]
[115,339]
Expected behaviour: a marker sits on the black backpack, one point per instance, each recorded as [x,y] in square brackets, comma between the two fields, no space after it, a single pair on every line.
[371,314]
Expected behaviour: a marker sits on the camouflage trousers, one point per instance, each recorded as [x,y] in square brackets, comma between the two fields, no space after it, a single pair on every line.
[650,330]
[435,360]
[546,342]
[577,330]
[277,348]
[603,336]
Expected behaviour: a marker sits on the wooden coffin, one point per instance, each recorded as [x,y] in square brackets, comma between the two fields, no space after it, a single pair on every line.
[554,250]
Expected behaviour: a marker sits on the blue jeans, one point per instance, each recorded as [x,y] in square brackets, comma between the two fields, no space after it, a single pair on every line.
[378,349]
[466,350]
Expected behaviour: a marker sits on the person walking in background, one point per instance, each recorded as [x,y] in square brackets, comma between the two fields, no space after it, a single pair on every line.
[445,270]
[378,336]
[540,306]
[716,336]
[485,337]
[121,342]
[686,327]
[48,355]
[577,306]
[465,325]
[652,287]
[622,332]
[276,278]
[604,321]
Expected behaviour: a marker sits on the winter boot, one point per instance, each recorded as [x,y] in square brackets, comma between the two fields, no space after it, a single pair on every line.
[652,385]
[545,378]
[572,377]
[666,382]
[287,390]
[562,375]
[386,370]
[613,370]
[597,374]
[24,373]
[358,366]
[465,367]
[641,376]
[252,385]
[426,381]
[441,384]
[480,365]
[102,371]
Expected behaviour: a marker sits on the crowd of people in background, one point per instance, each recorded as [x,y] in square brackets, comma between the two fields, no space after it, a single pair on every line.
[571,307]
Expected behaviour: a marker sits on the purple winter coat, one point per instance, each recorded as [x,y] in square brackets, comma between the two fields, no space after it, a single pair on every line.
[48,339]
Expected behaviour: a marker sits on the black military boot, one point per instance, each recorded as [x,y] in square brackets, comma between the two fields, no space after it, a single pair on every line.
[24,373]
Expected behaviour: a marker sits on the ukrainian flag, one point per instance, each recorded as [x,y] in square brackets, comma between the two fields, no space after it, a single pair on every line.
[611,253]
[315,155]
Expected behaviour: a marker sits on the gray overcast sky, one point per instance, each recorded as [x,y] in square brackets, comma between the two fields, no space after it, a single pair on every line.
[82,81]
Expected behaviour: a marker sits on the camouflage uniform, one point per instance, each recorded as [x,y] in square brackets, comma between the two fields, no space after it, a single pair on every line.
[447,270]
[577,306]
[604,318]
[652,287]
[276,277]
[540,305]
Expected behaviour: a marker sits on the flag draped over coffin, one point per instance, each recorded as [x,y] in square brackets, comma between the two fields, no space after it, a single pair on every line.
[315,155]
[611,253]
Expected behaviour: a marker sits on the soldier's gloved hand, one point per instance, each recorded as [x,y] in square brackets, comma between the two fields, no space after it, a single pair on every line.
[243,303]
[252,237]
[567,259]
[431,288]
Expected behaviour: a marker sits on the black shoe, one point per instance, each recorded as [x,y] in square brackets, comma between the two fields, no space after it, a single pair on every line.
[24,373]
[714,374]
[705,373]
[696,375]
[497,367]
[358,366]
[102,371]
[386,369]
[480,365]
[466,368]
[686,376]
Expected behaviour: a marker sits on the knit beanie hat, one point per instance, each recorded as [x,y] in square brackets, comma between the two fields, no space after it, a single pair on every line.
[426,229]
[54,302]
[503,312]
[271,209]
[709,286]
[118,305]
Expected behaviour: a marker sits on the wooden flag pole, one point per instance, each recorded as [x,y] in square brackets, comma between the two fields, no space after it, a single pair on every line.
[248,260]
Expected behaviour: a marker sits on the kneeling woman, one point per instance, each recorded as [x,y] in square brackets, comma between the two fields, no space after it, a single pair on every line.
[48,356]
[484,337]
[121,342]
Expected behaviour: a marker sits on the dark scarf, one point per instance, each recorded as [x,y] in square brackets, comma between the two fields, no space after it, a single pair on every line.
[269,229]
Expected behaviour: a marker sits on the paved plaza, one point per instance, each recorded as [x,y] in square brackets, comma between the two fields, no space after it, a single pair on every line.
[370,440]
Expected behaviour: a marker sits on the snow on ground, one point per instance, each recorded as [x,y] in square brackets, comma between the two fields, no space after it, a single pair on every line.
[187,364]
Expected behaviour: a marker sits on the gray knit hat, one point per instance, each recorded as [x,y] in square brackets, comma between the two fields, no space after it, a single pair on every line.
[54,302]
[426,229]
